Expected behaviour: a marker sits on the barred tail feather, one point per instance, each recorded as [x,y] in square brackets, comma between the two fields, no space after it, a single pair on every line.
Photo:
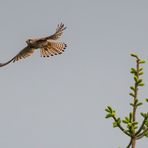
[52,48]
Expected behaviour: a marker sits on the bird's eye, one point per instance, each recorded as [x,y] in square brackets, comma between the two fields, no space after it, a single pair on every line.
[29,40]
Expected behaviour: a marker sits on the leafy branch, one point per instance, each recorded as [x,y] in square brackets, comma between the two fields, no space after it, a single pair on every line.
[132,130]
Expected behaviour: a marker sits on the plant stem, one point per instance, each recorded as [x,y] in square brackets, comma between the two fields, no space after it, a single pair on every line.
[136,92]
[129,144]
[141,127]
[142,134]
[133,140]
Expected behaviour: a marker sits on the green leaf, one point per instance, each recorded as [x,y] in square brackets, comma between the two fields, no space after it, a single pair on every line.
[131,94]
[140,69]
[134,55]
[144,127]
[139,81]
[141,73]
[146,100]
[135,123]
[109,108]
[115,124]
[118,120]
[143,115]
[136,101]
[136,79]
[141,84]
[125,121]
[132,88]
[113,113]
[139,104]
[142,62]
[129,125]
[146,134]
[108,116]
[146,123]
[132,104]
[135,127]
[133,71]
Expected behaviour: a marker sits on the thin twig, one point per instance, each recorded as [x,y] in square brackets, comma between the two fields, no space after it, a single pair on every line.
[141,127]
[142,134]
[122,129]
[129,144]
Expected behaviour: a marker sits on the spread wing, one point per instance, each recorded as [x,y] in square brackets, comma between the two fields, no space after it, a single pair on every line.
[27,51]
[58,33]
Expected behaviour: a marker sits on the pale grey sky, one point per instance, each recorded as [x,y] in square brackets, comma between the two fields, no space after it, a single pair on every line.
[59,102]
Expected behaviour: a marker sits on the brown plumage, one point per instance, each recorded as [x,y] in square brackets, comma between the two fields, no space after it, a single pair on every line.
[49,46]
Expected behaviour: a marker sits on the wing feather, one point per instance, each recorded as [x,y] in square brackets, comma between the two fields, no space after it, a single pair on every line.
[58,33]
[27,51]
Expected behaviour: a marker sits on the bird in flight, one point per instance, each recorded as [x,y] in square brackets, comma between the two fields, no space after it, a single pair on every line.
[49,46]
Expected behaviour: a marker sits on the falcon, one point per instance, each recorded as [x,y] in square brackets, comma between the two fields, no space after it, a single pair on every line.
[48,46]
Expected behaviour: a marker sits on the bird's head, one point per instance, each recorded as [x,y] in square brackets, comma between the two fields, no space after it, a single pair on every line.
[29,41]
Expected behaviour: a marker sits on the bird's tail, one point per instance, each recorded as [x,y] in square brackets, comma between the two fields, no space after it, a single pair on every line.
[4,64]
[52,49]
